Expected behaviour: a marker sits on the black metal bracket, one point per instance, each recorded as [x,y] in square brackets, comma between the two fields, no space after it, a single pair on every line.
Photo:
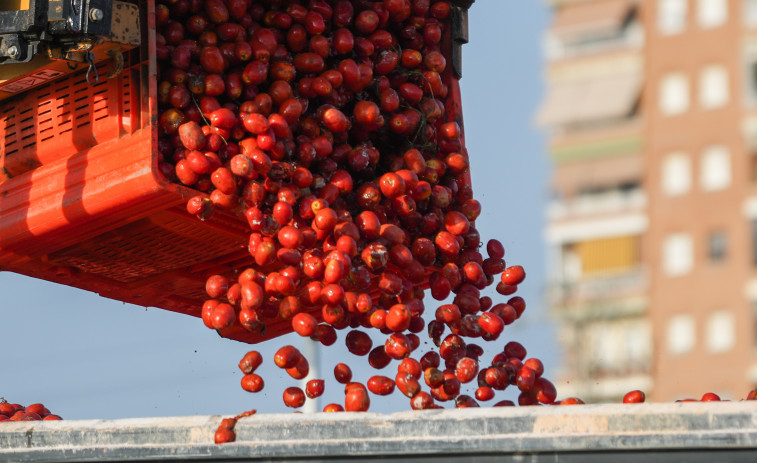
[459,14]
[16,49]
[72,17]
[62,23]
[31,20]
[20,30]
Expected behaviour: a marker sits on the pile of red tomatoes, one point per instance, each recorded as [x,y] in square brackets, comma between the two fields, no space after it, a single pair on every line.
[17,412]
[333,129]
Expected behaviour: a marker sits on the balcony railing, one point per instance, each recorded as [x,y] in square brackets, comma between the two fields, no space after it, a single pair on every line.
[559,48]
[614,201]
[595,291]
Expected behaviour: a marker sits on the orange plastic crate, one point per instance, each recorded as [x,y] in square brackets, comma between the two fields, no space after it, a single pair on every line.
[82,202]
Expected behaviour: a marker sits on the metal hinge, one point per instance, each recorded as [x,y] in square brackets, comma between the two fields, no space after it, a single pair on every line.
[459,14]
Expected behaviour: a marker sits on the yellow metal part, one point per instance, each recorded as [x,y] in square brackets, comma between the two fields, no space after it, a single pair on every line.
[14,5]
[124,27]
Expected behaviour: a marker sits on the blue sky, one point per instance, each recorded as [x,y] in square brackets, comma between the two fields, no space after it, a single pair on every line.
[88,357]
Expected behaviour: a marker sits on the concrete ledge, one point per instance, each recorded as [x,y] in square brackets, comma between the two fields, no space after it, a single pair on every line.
[725,431]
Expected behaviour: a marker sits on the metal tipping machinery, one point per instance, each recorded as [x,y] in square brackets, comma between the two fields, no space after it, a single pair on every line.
[41,40]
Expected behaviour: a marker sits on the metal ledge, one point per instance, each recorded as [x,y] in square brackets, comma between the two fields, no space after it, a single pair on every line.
[692,432]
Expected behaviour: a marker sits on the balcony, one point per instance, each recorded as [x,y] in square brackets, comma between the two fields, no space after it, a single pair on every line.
[608,137]
[613,201]
[609,295]
[560,46]
[580,28]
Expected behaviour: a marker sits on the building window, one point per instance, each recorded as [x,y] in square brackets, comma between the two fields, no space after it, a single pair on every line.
[754,323]
[677,254]
[750,69]
[681,336]
[717,246]
[753,224]
[715,173]
[674,94]
[671,16]
[676,174]
[720,331]
[713,87]
[749,12]
[712,13]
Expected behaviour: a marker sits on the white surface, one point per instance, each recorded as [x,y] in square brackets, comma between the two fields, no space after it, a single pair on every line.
[677,254]
[712,13]
[674,94]
[713,86]
[681,335]
[720,331]
[671,16]
[676,173]
[715,171]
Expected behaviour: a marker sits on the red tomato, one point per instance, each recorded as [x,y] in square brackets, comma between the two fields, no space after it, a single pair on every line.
[513,275]
[342,373]
[304,324]
[314,388]
[380,385]
[287,357]
[634,397]
[330,408]
[252,382]
[294,397]
[356,398]
[358,342]
[250,362]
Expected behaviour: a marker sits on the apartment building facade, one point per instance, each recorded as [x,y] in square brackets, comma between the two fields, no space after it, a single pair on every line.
[651,108]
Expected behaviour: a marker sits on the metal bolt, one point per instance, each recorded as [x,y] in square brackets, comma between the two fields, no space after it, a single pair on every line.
[96,14]
[12,51]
